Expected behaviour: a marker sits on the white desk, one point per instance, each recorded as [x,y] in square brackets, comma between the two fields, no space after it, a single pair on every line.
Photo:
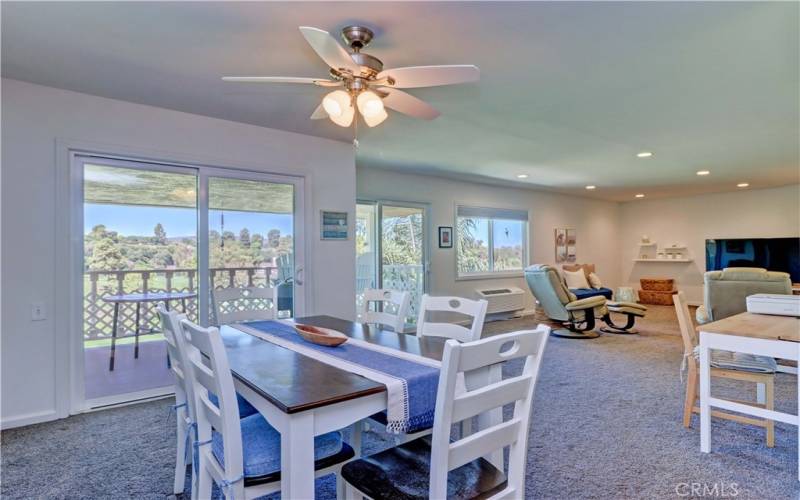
[773,336]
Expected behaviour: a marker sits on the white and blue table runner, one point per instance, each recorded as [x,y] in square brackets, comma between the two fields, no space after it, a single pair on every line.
[411,381]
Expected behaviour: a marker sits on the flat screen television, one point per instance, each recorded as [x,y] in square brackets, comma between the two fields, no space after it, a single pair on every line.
[774,254]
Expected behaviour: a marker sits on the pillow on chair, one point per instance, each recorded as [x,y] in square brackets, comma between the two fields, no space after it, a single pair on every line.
[594,280]
[576,279]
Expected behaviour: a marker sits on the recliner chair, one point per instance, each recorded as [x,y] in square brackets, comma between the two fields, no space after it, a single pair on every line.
[578,316]
[725,292]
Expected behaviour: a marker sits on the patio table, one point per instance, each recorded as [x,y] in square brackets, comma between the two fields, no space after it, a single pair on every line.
[139,299]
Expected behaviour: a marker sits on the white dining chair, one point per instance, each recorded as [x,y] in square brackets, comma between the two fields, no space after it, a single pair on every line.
[441,468]
[170,324]
[237,304]
[184,401]
[386,308]
[243,457]
[475,309]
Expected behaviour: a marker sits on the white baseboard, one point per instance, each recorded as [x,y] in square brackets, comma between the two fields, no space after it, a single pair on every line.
[28,419]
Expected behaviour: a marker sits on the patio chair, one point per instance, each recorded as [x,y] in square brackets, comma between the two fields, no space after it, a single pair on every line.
[437,467]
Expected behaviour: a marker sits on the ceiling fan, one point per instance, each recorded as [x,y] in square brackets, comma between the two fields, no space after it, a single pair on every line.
[364,83]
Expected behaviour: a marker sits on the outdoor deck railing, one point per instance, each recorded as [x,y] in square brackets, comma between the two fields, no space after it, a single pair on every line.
[98,315]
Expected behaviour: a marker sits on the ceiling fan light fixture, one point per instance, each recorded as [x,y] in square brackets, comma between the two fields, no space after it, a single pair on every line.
[336,103]
[346,118]
[370,105]
[377,119]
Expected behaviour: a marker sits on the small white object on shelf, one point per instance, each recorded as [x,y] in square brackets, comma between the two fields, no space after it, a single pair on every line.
[767,303]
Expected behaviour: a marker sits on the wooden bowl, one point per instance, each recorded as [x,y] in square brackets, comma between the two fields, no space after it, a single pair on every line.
[321,336]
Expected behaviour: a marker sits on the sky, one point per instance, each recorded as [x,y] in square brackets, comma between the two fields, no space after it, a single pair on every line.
[514,237]
[140,220]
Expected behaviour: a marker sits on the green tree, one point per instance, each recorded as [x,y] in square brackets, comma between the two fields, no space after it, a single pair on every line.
[160,234]
[274,238]
[244,237]
[106,256]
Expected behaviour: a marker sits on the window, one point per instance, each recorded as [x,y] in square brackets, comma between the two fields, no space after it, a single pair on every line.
[490,241]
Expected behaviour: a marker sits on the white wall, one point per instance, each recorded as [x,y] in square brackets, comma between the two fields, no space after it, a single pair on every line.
[595,222]
[757,213]
[34,369]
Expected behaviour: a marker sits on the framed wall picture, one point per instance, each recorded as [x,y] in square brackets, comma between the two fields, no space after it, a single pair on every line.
[571,246]
[561,244]
[333,225]
[445,237]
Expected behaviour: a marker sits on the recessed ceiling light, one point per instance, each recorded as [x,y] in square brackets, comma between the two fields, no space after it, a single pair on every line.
[703,172]
[742,185]
[522,176]
[640,195]
[591,187]
[644,154]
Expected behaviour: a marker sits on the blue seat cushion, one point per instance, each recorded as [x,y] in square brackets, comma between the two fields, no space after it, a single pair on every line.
[585,293]
[261,447]
[245,408]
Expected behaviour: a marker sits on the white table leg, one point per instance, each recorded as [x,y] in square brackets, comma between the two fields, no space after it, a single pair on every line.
[705,394]
[297,457]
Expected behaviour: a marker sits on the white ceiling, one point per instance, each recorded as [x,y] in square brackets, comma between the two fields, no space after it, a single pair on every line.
[569,92]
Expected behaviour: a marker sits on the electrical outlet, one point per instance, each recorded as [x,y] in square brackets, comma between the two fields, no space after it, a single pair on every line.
[38,312]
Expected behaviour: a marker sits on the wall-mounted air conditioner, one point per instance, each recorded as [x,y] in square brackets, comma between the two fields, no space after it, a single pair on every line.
[507,299]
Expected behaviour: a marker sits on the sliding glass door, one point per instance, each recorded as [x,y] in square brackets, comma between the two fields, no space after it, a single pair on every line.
[154,233]
[251,240]
[139,236]
[392,249]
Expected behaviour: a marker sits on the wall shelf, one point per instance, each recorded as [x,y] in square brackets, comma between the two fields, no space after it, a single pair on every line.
[670,261]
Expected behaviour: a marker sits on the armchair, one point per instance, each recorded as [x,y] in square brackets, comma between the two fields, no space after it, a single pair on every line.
[725,292]
[578,316]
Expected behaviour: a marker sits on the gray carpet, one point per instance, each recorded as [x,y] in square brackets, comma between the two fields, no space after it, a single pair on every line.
[606,424]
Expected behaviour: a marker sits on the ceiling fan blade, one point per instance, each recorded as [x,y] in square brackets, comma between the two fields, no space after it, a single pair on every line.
[408,104]
[281,79]
[329,49]
[319,113]
[431,76]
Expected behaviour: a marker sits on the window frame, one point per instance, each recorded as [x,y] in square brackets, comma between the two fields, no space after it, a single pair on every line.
[491,273]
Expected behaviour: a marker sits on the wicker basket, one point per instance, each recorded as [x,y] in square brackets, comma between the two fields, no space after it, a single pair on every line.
[655,297]
[657,284]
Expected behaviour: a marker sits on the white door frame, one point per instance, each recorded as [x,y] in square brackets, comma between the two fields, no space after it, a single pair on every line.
[70,388]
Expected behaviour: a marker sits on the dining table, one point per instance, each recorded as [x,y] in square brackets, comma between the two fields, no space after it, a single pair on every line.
[760,334]
[303,397]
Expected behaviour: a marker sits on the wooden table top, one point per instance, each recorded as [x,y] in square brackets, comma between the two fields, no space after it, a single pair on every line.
[294,382]
[760,326]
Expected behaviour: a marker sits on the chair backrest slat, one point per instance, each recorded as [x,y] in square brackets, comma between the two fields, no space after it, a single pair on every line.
[685,323]
[469,448]
[491,396]
[237,304]
[390,308]
[476,309]
[478,358]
